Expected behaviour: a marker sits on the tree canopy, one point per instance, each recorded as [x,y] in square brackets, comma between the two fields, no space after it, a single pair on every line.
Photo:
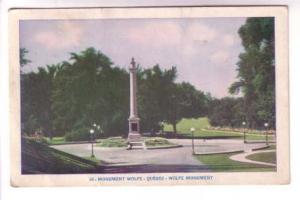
[256,71]
[67,98]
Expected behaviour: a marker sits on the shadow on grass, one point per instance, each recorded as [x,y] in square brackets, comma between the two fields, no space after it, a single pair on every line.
[38,158]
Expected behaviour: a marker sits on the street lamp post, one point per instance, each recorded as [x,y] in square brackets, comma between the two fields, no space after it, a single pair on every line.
[244,125]
[92,138]
[98,127]
[192,131]
[266,126]
[161,131]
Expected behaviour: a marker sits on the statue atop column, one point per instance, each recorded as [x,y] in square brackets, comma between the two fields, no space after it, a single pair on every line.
[134,136]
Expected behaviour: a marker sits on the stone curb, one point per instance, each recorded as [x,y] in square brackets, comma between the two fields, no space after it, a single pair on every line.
[66,143]
[164,147]
[232,151]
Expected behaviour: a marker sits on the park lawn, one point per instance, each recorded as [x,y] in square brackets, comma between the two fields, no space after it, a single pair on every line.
[184,125]
[38,158]
[251,136]
[239,135]
[222,163]
[269,157]
[201,126]
[211,133]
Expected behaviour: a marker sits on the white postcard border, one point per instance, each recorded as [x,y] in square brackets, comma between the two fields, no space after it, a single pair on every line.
[281,176]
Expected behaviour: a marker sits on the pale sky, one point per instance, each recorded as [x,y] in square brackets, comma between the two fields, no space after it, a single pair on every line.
[204,50]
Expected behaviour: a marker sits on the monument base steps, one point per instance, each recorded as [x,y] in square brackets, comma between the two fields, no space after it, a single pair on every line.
[137,145]
[135,141]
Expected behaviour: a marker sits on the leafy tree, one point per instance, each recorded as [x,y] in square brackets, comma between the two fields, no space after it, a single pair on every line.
[226,111]
[23,60]
[36,100]
[87,90]
[256,71]
[154,89]
[67,98]
[185,101]
[163,100]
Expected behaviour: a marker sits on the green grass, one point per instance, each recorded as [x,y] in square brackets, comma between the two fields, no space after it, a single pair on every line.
[158,141]
[250,137]
[112,142]
[202,126]
[269,157]
[38,158]
[184,125]
[222,163]
[56,140]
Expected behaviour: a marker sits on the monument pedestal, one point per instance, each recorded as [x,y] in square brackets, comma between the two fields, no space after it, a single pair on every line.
[135,140]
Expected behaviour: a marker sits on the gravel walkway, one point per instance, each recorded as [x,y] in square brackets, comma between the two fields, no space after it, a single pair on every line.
[120,160]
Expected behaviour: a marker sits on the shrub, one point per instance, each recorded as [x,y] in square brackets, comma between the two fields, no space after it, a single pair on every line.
[157,141]
[81,134]
[113,142]
[39,139]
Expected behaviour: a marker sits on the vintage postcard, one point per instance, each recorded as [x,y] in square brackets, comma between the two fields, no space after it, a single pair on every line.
[149,96]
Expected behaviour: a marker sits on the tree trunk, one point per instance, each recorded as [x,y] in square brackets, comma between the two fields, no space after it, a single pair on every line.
[174,128]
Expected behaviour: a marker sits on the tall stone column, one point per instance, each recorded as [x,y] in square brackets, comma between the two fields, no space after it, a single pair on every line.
[133,100]
[134,121]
